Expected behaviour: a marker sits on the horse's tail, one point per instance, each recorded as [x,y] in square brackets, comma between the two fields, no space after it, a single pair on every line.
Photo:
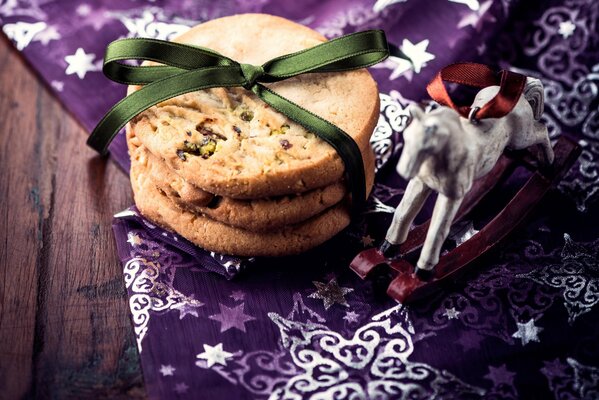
[533,92]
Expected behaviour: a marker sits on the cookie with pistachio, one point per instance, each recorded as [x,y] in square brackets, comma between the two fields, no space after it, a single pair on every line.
[256,214]
[216,236]
[228,142]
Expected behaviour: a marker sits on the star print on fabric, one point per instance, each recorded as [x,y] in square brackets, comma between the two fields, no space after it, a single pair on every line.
[417,53]
[232,317]
[83,10]
[451,313]
[527,332]
[380,5]
[566,29]
[351,316]
[188,307]
[418,58]
[58,85]
[48,34]
[472,4]
[213,355]
[500,375]
[181,388]
[577,275]
[330,293]
[367,241]
[477,18]
[237,295]
[399,66]
[167,370]
[80,63]
[23,33]
[134,239]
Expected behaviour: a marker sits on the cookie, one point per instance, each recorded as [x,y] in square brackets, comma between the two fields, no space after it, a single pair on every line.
[230,143]
[254,215]
[225,239]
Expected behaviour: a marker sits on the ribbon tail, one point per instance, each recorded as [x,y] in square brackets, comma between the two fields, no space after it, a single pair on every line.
[345,146]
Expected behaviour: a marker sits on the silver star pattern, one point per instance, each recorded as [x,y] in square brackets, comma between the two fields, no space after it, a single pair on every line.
[232,317]
[418,58]
[577,275]
[23,33]
[476,18]
[48,34]
[351,317]
[181,388]
[213,355]
[566,29]
[330,293]
[500,375]
[451,313]
[237,295]
[417,53]
[133,239]
[188,307]
[527,332]
[83,10]
[472,4]
[80,63]
[58,85]
[167,370]
[367,241]
[380,5]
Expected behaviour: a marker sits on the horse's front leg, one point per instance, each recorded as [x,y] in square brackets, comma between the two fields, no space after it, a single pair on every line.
[443,215]
[411,203]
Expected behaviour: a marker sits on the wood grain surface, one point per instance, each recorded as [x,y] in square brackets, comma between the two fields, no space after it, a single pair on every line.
[64,324]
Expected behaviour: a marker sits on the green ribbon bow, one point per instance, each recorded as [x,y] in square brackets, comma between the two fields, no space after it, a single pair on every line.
[189,68]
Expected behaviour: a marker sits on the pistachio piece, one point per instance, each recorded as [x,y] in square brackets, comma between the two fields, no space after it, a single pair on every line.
[247,115]
[207,148]
[284,128]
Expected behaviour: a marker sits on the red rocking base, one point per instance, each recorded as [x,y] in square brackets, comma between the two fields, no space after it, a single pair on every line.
[406,286]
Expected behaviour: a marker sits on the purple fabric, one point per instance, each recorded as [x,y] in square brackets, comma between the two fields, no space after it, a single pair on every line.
[523,323]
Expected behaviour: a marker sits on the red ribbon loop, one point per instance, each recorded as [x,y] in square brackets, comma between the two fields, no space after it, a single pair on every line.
[511,86]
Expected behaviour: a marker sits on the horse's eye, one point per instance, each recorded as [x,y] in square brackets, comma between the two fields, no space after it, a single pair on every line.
[430,129]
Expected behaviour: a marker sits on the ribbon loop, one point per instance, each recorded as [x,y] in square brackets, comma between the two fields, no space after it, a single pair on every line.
[188,68]
[511,85]
[251,74]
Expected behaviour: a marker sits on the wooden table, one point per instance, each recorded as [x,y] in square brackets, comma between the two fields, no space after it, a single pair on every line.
[64,323]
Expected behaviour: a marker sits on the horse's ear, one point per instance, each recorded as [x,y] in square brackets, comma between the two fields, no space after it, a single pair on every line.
[415,111]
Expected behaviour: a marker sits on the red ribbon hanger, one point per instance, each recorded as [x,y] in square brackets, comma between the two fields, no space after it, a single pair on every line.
[511,86]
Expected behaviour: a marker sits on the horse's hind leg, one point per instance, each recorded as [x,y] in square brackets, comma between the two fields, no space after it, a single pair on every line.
[443,215]
[542,138]
[410,205]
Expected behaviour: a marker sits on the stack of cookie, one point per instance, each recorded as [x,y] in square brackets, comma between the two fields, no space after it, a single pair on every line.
[229,173]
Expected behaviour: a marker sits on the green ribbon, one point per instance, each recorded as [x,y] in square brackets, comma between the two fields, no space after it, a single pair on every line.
[188,68]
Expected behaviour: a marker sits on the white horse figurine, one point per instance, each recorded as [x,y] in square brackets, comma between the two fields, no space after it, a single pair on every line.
[446,152]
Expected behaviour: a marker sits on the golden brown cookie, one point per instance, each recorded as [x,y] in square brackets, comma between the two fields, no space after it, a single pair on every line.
[222,238]
[230,143]
[254,215]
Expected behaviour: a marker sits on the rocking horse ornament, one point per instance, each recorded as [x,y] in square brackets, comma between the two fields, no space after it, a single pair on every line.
[457,151]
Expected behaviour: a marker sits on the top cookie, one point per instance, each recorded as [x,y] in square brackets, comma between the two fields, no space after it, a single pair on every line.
[229,142]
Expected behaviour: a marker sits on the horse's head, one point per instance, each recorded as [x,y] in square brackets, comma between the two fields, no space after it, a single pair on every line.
[426,135]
